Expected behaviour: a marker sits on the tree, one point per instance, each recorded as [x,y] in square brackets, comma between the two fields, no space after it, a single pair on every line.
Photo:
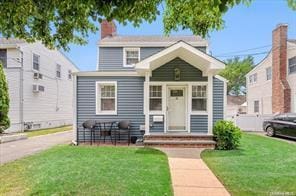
[235,72]
[59,22]
[4,101]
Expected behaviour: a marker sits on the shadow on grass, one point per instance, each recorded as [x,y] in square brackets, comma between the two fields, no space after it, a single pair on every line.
[225,153]
[145,150]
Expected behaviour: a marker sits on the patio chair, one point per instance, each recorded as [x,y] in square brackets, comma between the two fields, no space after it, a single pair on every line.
[123,128]
[88,125]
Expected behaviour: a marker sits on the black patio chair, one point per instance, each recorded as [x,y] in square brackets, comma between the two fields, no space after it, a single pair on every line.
[124,127]
[89,125]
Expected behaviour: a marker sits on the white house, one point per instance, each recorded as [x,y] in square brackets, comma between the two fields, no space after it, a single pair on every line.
[40,85]
[271,85]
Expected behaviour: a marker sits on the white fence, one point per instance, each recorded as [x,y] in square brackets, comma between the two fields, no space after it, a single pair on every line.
[249,122]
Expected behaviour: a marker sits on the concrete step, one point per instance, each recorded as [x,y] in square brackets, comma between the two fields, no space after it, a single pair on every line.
[181,143]
[180,137]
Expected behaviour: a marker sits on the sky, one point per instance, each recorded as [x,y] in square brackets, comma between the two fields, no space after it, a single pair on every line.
[246,28]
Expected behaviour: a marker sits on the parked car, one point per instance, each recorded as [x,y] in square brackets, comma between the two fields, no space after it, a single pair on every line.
[281,125]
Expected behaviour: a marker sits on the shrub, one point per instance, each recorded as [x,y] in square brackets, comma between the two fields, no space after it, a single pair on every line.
[4,101]
[227,135]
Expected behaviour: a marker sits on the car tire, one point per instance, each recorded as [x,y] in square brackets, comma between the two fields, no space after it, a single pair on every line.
[269,131]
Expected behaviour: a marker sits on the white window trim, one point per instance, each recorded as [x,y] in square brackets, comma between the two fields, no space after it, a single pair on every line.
[199,112]
[266,73]
[154,112]
[34,53]
[98,97]
[124,56]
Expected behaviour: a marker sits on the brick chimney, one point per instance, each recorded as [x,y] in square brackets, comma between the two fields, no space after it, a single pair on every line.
[281,92]
[107,29]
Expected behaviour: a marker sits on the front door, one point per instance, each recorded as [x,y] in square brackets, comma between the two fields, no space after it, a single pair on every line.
[176,108]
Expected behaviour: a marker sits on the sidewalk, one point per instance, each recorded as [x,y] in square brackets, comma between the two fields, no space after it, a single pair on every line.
[190,175]
[18,149]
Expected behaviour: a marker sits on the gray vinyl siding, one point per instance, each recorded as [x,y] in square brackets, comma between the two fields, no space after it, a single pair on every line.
[156,126]
[218,100]
[111,58]
[199,123]
[130,95]
[167,72]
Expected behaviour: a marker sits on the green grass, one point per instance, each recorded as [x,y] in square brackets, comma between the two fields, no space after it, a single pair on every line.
[71,170]
[262,166]
[48,131]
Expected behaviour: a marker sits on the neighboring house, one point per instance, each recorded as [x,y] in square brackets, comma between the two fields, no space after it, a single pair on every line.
[40,85]
[161,84]
[271,85]
[236,105]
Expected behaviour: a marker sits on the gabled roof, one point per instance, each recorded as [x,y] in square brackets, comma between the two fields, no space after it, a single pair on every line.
[151,40]
[204,62]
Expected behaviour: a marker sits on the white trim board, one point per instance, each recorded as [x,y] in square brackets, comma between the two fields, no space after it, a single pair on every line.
[206,63]
[98,97]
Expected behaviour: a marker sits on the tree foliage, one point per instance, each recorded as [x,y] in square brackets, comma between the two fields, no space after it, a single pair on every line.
[59,22]
[4,101]
[235,72]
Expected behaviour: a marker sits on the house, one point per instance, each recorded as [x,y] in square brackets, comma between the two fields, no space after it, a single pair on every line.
[163,85]
[271,85]
[40,85]
[236,105]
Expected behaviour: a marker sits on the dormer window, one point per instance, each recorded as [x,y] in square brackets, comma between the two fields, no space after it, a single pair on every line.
[131,56]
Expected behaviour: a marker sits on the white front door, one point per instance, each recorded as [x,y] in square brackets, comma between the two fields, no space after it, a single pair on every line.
[176,108]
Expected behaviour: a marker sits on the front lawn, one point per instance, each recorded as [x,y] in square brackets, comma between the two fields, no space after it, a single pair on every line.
[70,170]
[48,131]
[262,166]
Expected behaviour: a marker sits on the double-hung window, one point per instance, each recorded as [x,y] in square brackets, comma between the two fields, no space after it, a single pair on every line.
[69,74]
[253,78]
[58,71]
[131,56]
[256,106]
[199,98]
[106,102]
[155,102]
[3,57]
[268,73]
[292,65]
[36,62]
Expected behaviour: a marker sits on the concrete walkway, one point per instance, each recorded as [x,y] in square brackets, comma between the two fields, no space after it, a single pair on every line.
[190,175]
[15,150]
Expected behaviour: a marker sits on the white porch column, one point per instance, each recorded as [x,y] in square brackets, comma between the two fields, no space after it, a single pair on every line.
[210,104]
[146,102]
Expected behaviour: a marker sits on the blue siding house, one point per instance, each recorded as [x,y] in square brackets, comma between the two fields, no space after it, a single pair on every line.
[166,86]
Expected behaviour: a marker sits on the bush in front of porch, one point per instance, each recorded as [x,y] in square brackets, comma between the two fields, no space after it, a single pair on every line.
[227,135]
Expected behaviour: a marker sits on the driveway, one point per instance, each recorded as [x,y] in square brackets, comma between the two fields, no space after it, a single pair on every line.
[276,137]
[18,149]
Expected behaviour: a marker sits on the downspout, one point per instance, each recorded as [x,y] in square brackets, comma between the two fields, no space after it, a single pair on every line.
[21,90]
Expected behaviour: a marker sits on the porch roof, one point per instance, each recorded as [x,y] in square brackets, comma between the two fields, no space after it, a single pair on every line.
[206,63]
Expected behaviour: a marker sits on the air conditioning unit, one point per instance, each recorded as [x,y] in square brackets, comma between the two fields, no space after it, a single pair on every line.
[38,88]
[38,76]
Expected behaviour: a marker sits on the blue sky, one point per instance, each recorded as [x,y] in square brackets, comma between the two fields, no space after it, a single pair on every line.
[245,28]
